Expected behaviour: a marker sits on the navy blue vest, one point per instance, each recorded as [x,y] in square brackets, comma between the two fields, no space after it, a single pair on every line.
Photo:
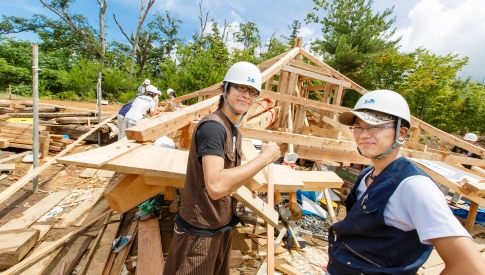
[362,243]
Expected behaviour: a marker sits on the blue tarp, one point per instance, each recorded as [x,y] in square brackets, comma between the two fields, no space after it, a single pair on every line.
[464,213]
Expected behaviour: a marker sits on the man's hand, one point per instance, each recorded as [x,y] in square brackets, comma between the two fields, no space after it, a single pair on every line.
[270,151]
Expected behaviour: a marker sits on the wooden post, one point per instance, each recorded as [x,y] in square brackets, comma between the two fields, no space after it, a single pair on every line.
[35,99]
[9,92]
[100,113]
[472,214]
[270,200]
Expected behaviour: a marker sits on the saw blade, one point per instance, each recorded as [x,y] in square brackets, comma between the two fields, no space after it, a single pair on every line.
[296,211]
[296,216]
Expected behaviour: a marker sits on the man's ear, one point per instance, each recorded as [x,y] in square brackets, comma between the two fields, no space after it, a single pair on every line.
[403,131]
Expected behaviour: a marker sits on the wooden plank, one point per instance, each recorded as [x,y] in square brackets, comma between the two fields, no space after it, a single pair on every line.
[152,161]
[82,208]
[7,167]
[88,173]
[100,156]
[38,268]
[43,229]
[14,245]
[103,250]
[130,192]
[99,208]
[287,269]
[69,256]
[41,253]
[257,205]
[35,212]
[25,179]
[477,187]
[319,180]
[120,258]
[14,158]
[105,173]
[50,115]
[150,255]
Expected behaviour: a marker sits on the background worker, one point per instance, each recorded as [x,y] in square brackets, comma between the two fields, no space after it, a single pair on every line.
[395,212]
[202,234]
[141,106]
[142,88]
[472,139]
[172,96]
[122,122]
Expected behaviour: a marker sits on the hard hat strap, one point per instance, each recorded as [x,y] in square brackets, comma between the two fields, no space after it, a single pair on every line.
[224,95]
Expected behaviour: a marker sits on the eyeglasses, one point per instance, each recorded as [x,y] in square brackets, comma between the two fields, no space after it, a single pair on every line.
[252,92]
[370,129]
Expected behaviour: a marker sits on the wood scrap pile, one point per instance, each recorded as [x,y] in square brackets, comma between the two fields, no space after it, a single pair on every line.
[54,120]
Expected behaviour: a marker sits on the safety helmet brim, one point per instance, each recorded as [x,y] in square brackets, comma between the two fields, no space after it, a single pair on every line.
[368,116]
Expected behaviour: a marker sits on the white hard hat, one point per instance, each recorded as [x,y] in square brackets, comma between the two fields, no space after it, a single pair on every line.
[244,73]
[165,142]
[470,137]
[159,92]
[169,91]
[382,101]
[147,81]
[151,89]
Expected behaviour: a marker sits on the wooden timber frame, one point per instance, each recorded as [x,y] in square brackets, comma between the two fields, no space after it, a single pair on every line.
[289,79]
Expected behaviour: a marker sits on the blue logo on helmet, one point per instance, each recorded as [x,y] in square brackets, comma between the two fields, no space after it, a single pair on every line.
[369,101]
[250,79]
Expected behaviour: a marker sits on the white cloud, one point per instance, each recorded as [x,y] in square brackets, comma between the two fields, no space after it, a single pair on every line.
[444,28]
[306,32]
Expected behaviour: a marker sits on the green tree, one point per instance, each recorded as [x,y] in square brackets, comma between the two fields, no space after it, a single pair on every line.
[248,36]
[353,36]
[429,80]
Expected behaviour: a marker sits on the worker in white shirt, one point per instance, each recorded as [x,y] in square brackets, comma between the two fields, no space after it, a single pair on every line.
[141,106]
[142,88]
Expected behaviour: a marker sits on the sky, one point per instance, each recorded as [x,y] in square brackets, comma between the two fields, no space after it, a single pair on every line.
[441,26]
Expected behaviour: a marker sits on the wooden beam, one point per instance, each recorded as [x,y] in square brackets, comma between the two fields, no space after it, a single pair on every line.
[335,73]
[15,244]
[25,179]
[447,137]
[130,192]
[302,101]
[303,140]
[276,67]
[152,128]
[264,120]
[310,68]
[257,205]
[316,76]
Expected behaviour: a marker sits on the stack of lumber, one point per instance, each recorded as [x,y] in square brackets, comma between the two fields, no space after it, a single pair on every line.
[57,120]
[19,135]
